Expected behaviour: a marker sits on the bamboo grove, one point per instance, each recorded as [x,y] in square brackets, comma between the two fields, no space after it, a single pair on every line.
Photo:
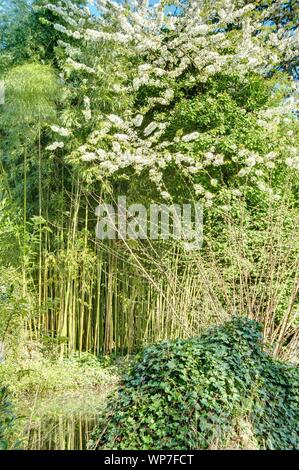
[70,72]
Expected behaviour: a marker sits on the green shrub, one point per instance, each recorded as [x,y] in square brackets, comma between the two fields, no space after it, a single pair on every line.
[184,394]
[7,419]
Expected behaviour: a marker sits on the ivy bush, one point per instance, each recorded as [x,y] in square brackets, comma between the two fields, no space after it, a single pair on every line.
[184,394]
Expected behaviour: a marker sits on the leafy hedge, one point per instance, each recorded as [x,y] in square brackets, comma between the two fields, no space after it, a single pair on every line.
[183,394]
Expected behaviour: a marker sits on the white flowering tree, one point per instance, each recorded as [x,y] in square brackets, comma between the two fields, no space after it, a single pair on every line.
[209,108]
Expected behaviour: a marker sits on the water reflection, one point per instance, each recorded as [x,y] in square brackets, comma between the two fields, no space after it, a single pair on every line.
[61,433]
[62,422]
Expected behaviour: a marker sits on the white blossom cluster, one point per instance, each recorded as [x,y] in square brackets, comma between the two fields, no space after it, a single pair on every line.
[55,146]
[61,131]
[293,159]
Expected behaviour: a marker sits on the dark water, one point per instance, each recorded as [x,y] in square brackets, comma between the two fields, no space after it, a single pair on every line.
[62,422]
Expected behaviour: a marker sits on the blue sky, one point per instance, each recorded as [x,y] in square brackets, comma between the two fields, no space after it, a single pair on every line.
[7,3]
[152,2]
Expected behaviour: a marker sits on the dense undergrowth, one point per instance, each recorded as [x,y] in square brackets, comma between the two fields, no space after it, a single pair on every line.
[42,375]
[7,419]
[189,394]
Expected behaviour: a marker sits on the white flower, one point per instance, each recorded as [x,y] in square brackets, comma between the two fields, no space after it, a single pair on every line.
[116,120]
[87,110]
[137,121]
[155,176]
[199,189]
[60,28]
[271,155]
[86,100]
[209,156]
[150,128]
[61,131]
[190,137]
[79,66]
[109,166]
[88,157]
[165,195]
[144,67]
[219,160]
[193,169]
[253,61]
[101,154]
[251,160]
[118,89]
[293,162]
[121,136]
[261,186]
[93,35]
[55,146]
[200,29]
[169,94]
[242,173]
[87,114]
[116,147]
[211,69]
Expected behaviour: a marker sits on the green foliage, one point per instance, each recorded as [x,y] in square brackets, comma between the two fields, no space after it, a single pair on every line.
[26,32]
[7,419]
[186,393]
[14,309]
[41,374]
[32,95]
[31,92]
